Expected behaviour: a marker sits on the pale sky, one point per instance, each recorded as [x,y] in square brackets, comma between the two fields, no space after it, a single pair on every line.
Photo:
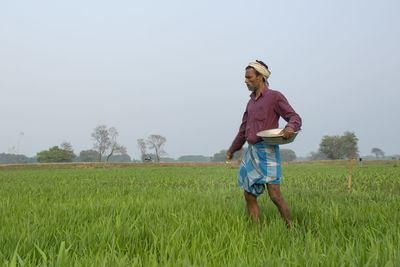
[176,68]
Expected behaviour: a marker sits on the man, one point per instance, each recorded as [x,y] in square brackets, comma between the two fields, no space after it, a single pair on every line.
[261,162]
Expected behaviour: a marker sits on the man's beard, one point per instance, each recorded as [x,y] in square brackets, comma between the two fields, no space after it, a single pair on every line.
[251,88]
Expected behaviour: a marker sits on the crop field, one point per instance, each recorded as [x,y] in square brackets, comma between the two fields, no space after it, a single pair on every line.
[196,215]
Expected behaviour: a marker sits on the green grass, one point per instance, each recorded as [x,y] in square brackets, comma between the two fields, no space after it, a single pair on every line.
[180,216]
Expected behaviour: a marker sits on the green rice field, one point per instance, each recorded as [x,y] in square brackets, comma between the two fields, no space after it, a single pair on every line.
[195,215]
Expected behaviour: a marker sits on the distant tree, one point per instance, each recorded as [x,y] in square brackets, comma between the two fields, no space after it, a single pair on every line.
[6,158]
[114,147]
[166,159]
[105,142]
[120,158]
[396,157]
[156,142]
[101,140]
[348,143]
[194,158]
[317,156]
[54,154]
[221,155]
[378,152]
[142,147]
[67,147]
[89,155]
[339,147]
[287,154]
[330,147]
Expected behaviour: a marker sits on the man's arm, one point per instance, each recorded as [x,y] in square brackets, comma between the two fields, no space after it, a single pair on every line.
[286,111]
[240,138]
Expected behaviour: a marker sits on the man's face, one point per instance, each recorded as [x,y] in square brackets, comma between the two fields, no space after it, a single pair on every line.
[252,80]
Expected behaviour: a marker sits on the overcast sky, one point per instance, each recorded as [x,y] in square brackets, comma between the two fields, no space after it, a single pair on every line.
[176,68]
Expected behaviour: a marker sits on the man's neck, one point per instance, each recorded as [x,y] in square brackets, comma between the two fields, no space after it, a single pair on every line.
[259,90]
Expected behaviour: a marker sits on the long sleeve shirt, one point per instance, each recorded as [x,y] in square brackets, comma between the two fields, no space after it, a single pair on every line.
[262,114]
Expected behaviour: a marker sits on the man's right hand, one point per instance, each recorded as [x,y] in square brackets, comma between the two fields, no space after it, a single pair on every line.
[228,156]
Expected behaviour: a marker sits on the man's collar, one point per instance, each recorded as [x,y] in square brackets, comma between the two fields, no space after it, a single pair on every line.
[253,94]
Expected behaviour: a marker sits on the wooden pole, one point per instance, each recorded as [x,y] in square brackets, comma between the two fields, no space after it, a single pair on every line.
[351,172]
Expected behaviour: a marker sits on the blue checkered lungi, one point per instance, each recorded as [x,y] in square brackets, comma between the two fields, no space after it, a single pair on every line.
[260,164]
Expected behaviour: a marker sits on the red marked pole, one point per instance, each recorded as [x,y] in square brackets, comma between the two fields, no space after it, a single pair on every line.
[351,172]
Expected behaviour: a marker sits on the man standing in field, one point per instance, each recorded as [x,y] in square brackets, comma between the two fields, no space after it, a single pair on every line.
[261,162]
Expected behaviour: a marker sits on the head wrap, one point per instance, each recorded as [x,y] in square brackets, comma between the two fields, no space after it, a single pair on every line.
[261,69]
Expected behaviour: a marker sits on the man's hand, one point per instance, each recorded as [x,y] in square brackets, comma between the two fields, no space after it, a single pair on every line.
[228,156]
[287,132]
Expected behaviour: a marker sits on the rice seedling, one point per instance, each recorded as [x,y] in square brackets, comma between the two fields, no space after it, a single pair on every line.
[196,215]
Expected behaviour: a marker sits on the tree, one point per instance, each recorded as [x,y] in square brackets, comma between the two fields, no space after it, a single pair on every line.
[142,147]
[339,147]
[114,148]
[167,159]
[378,152]
[156,142]
[329,146]
[221,155]
[67,147]
[317,156]
[395,157]
[194,158]
[105,142]
[54,154]
[348,143]
[287,155]
[120,158]
[89,155]
[101,139]
[6,158]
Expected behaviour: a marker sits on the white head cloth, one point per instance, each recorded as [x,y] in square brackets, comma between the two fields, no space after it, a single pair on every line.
[261,69]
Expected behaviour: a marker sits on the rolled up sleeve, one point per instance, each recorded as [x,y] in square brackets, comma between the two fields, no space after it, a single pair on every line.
[285,110]
[240,138]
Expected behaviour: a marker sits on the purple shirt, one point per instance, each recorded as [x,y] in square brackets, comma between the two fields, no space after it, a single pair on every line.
[263,114]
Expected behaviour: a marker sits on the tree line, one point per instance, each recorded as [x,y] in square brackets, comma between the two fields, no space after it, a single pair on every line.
[107,148]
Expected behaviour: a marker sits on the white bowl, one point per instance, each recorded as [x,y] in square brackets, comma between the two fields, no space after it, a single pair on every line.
[272,137]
